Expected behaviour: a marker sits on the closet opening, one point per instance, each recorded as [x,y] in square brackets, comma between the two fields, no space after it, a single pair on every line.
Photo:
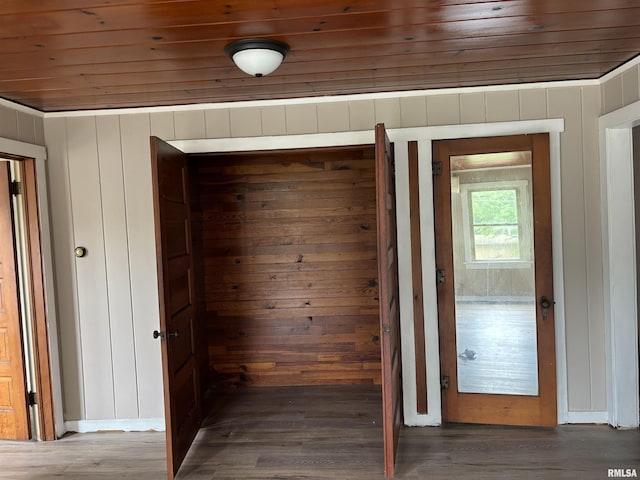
[269,274]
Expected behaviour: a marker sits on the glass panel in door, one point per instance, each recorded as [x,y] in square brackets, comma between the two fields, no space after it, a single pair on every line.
[493,257]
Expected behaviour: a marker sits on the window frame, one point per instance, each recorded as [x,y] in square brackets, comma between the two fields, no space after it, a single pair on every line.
[523,195]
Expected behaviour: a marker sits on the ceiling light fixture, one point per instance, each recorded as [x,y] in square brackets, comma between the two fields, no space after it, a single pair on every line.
[257,56]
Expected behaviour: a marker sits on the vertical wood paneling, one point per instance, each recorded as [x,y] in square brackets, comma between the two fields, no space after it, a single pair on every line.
[612,94]
[66,295]
[333,117]
[630,85]
[289,246]
[443,109]
[413,111]
[362,115]
[163,125]
[593,245]
[189,124]
[301,119]
[274,121]
[245,122]
[473,108]
[93,306]
[8,123]
[117,267]
[217,123]
[533,104]
[566,103]
[387,111]
[136,157]
[502,106]
[416,281]
[39,128]
[26,128]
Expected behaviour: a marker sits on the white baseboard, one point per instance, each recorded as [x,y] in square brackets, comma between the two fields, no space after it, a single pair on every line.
[116,424]
[157,424]
[587,417]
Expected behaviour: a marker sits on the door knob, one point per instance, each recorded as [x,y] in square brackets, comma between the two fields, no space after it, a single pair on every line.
[170,333]
[545,305]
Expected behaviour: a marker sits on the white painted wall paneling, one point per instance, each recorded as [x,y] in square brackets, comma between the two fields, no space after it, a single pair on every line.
[115,238]
[91,274]
[65,273]
[136,158]
[585,375]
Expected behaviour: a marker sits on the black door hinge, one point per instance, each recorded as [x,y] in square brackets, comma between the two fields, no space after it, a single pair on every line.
[33,398]
[441,276]
[436,168]
[444,382]
[15,188]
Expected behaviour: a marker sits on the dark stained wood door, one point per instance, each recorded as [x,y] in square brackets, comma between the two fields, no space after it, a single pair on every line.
[513,326]
[182,389]
[388,293]
[14,413]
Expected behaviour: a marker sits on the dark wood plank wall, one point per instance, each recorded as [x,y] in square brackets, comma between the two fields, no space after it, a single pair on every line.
[289,247]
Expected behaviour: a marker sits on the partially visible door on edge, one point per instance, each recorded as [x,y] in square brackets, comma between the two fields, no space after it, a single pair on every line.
[388,295]
[182,389]
[14,412]
[492,206]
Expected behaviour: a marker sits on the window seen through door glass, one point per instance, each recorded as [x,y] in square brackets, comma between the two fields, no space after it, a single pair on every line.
[495,224]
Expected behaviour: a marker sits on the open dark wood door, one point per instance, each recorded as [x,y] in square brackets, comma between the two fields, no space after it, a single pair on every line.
[182,391]
[388,294]
[14,414]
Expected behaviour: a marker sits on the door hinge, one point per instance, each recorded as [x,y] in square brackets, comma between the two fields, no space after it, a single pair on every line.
[386,329]
[33,398]
[436,168]
[15,188]
[444,382]
[441,276]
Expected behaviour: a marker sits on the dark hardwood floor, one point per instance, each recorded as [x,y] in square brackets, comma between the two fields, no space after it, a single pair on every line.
[327,433]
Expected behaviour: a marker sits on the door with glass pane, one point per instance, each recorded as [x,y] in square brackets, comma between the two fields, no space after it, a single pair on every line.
[492,207]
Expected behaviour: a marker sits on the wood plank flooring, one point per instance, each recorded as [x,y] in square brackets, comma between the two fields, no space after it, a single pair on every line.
[327,433]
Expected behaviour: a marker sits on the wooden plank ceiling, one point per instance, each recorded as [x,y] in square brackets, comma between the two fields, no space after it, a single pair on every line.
[86,54]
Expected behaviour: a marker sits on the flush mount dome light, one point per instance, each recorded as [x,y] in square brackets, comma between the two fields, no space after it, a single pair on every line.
[257,56]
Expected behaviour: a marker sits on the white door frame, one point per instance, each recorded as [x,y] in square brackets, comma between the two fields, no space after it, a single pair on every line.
[619,264]
[426,136]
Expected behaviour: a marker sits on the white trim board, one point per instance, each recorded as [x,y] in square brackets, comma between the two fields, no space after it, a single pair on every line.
[424,136]
[619,264]
[116,424]
[22,149]
[587,417]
